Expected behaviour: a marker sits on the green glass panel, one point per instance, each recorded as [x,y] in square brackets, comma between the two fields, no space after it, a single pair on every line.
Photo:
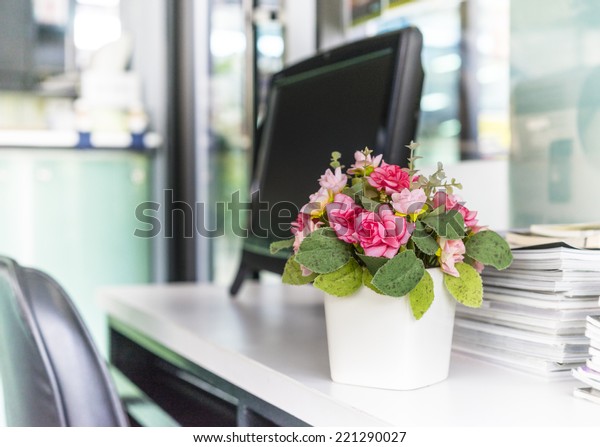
[71,214]
[555,78]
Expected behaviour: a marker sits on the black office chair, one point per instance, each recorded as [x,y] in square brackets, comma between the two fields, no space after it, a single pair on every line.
[52,374]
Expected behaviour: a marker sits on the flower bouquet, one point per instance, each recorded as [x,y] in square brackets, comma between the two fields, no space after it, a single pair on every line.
[380,231]
[382,226]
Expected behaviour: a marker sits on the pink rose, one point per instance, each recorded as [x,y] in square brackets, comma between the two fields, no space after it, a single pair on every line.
[390,178]
[333,182]
[381,234]
[409,202]
[452,252]
[454,202]
[317,202]
[448,200]
[302,227]
[342,214]
[363,162]
[301,221]
[468,216]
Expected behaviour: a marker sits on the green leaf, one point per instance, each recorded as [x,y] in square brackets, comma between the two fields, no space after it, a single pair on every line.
[400,274]
[343,282]
[369,191]
[370,204]
[450,225]
[424,240]
[354,191]
[489,248]
[367,280]
[335,160]
[322,252]
[292,274]
[438,211]
[422,296]
[468,260]
[373,263]
[466,289]
[281,245]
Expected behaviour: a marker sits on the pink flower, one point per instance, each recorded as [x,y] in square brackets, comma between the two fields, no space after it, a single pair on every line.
[478,266]
[448,200]
[305,271]
[468,216]
[452,251]
[301,221]
[381,234]
[409,203]
[333,182]
[476,229]
[390,178]
[302,227]
[317,202]
[363,162]
[454,202]
[342,214]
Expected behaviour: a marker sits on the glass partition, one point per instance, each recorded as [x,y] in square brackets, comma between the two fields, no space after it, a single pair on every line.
[71,214]
[465,107]
[555,77]
[229,149]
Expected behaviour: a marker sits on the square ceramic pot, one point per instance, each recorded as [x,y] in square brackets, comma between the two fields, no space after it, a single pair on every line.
[374,340]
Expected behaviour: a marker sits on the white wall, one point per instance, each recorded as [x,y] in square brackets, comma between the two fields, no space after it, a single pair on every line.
[485,189]
[300,30]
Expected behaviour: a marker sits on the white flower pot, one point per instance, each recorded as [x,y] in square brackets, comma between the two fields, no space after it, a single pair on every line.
[374,340]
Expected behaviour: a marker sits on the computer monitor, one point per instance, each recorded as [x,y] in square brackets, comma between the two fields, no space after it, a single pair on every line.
[363,94]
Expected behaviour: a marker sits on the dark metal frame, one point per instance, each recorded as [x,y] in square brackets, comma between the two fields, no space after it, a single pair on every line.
[189,393]
[181,139]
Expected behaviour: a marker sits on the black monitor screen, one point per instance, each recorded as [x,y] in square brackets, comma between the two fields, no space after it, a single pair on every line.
[342,101]
[322,111]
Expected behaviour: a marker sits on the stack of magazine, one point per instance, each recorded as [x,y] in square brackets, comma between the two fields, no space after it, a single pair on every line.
[534,313]
[589,373]
[585,235]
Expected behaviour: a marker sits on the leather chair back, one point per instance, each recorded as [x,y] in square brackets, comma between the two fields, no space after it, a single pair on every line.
[52,373]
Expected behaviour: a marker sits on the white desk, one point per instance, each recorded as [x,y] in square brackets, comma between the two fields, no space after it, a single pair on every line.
[271,342]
